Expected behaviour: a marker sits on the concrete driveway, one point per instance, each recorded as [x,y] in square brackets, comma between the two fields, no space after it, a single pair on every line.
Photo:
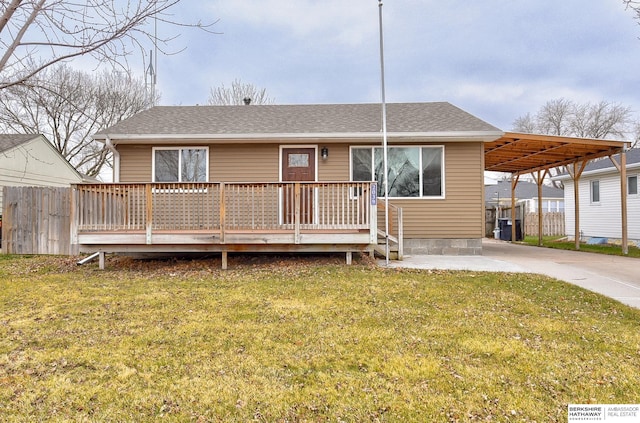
[613,276]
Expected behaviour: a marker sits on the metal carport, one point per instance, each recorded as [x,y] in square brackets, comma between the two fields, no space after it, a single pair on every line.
[520,153]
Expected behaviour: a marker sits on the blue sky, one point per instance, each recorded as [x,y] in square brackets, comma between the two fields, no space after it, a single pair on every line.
[497,59]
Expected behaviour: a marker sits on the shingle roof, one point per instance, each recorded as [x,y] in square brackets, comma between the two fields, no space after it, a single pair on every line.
[633,156]
[298,119]
[9,141]
[524,190]
[605,164]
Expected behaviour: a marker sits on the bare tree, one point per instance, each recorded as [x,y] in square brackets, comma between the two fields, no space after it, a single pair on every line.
[525,124]
[68,106]
[239,93]
[553,118]
[589,120]
[35,34]
[633,5]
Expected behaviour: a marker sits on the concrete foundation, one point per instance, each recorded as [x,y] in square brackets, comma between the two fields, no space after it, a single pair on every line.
[443,247]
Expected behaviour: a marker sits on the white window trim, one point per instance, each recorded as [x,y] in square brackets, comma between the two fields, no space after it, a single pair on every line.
[196,147]
[421,197]
[591,192]
[637,190]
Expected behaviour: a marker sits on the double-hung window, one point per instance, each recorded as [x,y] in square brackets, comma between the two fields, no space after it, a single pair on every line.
[632,185]
[413,172]
[185,164]
[595,191]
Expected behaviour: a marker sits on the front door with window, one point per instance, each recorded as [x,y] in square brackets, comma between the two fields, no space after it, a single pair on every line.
[298,165]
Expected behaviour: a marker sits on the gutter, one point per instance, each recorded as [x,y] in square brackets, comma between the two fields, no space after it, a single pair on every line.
[116,159]
[444,136]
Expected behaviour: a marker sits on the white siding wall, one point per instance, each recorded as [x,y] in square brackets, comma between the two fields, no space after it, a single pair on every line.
[602,219]
[35,164]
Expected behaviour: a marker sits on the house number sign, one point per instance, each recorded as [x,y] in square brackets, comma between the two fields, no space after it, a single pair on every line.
[374,191]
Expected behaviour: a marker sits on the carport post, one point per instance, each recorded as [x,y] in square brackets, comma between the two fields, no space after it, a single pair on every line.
[623,200]
[622,168]
[514,183]
[539,178]
[575,175]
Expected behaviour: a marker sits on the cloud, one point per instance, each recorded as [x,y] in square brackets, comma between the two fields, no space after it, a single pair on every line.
[331,21]
[498,59]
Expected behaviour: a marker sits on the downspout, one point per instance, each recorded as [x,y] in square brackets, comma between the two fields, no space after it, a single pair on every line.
[116,159]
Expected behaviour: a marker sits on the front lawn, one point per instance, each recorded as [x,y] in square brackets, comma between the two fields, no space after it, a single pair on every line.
[562,244]
[303,339]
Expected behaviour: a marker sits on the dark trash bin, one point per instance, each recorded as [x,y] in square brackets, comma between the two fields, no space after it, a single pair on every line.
[505,229]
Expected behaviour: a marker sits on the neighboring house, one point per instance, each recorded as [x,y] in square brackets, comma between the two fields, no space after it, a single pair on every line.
[31,160]
[526,193]
[600,205]
[228,168]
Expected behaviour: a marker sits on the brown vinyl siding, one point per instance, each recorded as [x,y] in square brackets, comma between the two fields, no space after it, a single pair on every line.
[227,163]
[336,167]
[243,163]
[459,215]
[135,163]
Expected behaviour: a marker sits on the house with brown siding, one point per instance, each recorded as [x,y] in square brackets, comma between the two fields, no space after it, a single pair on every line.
[289,177]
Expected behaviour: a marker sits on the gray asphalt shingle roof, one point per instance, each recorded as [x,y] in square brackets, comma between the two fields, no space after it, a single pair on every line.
[524,190]
[9,141]
[299,119]
[633,156]
[604,164]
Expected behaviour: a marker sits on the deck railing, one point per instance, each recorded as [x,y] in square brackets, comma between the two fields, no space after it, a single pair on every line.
[224,207]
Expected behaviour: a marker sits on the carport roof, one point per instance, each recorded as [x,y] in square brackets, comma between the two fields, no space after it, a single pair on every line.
[522,153]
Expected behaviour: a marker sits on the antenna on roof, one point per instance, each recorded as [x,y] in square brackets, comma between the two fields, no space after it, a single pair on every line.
[150,81]
[152,69]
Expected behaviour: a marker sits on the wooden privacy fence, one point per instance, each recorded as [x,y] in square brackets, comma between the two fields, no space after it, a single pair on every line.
[552,224]
[36,220]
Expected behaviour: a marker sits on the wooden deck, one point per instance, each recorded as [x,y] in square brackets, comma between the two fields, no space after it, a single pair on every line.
[224,217]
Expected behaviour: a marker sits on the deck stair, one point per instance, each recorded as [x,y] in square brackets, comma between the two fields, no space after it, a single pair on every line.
[396,238]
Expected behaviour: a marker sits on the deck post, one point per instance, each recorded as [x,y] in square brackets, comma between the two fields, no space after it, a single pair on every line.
[222,212]
[101,260]
[349,258]
[224,260]
[73,218]
[372,206]
[296,221]
[149,212]
[400,235]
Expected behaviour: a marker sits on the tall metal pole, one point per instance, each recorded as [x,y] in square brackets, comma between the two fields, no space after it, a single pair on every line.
[384,140]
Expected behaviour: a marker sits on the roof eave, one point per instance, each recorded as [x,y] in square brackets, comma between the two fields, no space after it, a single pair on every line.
[452,136]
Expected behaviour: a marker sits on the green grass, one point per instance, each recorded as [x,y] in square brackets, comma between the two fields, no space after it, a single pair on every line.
[303,339]
[562,244]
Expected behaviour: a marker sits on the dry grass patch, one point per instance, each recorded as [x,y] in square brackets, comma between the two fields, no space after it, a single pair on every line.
[303,339]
